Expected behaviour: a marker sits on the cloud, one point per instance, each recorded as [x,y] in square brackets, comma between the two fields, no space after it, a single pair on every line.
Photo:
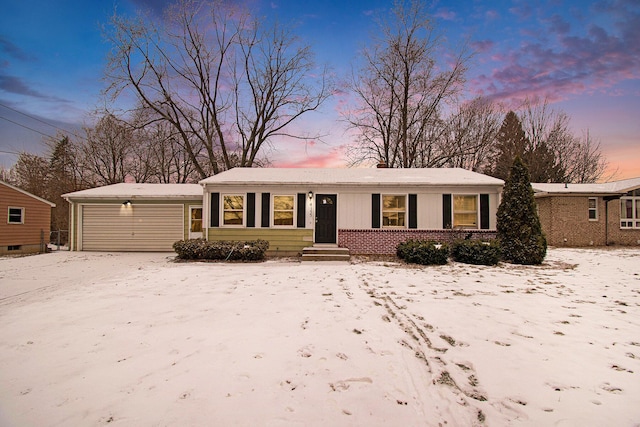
[12,84]
[558,63]
[13,50]
[482,46]
[445,14]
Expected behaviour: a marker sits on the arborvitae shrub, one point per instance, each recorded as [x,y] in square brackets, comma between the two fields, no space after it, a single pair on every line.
[424,252]
[519,231]
[221,250]
[476,252]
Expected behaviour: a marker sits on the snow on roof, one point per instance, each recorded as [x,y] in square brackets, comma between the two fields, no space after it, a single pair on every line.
[352,176]
[614,187]
[138,190]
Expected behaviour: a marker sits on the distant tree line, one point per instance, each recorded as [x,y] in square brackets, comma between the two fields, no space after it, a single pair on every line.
[212,87]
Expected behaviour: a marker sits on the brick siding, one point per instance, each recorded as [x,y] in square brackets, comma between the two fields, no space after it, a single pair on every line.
[565,222]
[384,242]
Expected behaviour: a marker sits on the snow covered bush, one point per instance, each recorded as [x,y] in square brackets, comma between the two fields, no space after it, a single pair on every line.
[253,250]
[476,252]
[424,252]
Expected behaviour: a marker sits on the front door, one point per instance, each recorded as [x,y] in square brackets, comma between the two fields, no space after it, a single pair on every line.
[326,218]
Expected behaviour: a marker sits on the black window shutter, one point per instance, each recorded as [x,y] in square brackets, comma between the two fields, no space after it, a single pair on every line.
[215,210]
[446,211]
[484,211]
[302,203]
[266,209]
[413,211]
[251,209]
[375,211]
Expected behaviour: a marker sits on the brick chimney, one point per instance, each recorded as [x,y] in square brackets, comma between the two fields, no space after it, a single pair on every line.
[382,165]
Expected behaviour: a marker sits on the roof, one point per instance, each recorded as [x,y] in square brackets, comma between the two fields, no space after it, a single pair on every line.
[352,176]
[614,187]
[20,190]
[138,190]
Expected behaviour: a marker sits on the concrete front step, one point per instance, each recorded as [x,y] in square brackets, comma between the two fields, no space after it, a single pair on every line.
[320,253]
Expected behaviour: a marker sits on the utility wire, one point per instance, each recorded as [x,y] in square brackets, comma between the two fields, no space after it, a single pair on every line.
[26,127]
[32,118]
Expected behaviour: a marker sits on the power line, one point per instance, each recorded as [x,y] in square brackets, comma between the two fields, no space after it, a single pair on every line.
[26,127]
[32,118]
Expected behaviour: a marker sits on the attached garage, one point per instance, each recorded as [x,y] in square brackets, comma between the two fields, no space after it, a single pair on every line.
[134,217]
[131,227]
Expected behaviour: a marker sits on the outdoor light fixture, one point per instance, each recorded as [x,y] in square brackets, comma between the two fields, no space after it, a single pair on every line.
[127,203]
[310,195]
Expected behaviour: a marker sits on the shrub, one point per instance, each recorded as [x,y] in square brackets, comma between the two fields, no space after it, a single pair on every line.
[221,250]
[518,225]
[424,252]
[476,252]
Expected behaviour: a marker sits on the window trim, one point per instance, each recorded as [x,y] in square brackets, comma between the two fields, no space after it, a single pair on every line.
[453,211]
[293,211]
[406,211]
[634,221]
[223,210]
[191,219]
[592,209]
[9,221]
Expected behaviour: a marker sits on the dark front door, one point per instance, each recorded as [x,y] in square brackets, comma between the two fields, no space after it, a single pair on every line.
[326,218]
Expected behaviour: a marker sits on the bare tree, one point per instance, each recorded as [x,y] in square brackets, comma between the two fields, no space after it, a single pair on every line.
[106,152]
[587,163]
[225,83]
[555,149]
[470,134]
[401,90]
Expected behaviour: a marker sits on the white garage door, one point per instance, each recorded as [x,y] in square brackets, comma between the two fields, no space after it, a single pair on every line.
[131,228]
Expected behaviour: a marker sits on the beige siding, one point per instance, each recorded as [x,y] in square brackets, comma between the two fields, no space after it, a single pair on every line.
[139,227]
[36,221]
[282,242]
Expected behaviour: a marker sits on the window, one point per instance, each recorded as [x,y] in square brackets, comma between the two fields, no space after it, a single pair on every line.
[465,211]
[630,210]
[593,208]
[283,208]
[16,215]
[196,220]
[394,211]
[233,210]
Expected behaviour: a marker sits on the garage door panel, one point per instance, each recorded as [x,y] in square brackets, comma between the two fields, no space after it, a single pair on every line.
[133,228]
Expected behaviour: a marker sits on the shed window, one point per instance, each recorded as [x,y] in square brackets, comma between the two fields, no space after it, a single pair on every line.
[283,210]
[233,210]
[16,215]
[394,211]
[593,208]
[465,211]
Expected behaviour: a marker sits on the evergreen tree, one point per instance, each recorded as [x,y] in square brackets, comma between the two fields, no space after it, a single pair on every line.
[511,142]
[519,231]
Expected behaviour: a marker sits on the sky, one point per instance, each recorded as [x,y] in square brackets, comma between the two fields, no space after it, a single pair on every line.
[584,57]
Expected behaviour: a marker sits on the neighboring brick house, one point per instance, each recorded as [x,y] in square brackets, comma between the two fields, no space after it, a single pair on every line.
[26,226]
[590,214]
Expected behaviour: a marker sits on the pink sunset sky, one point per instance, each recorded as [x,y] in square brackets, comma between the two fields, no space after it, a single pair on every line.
[584,57]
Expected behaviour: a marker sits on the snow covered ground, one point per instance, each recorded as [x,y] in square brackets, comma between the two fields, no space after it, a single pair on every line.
[140,340]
